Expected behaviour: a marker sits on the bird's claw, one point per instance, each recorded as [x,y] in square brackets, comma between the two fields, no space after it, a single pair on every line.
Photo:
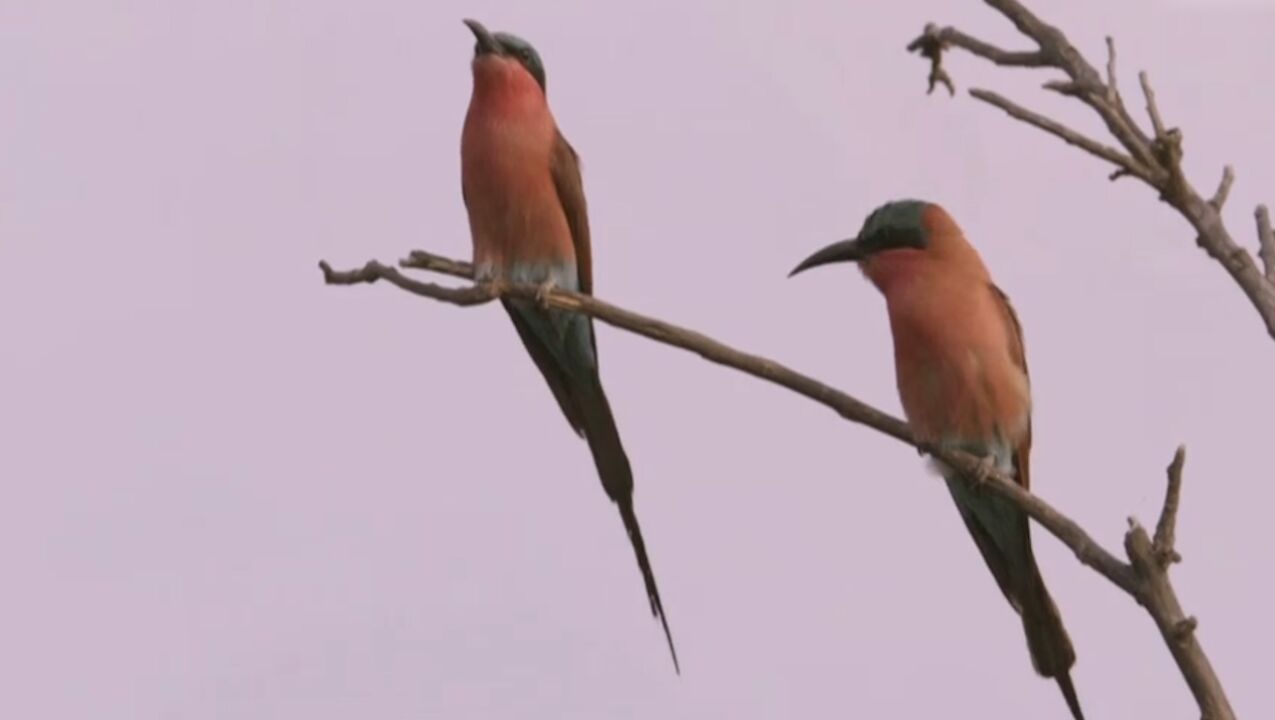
[495,286]
[983,471]
[542,293]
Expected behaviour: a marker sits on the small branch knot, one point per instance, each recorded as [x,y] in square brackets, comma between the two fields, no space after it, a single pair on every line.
[1183,629]
[1167,556]
[1168,148]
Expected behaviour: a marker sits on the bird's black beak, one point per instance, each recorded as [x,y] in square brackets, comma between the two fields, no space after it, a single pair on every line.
[845,251]
[487,43]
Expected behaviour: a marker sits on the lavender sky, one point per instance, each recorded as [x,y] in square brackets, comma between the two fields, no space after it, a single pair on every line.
[233,492]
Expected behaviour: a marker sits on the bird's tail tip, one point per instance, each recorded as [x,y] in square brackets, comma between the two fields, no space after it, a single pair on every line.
[677,666]
[648,577]
[1069,694]
[1051,651]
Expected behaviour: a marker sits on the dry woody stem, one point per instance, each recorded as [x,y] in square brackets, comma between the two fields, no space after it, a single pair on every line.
[1144,577]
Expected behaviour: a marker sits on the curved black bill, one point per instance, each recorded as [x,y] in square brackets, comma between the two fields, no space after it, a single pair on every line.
[487,43]
[844,251]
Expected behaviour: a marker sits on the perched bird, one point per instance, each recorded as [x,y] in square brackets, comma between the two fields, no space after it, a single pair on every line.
[962,377]
[527,215]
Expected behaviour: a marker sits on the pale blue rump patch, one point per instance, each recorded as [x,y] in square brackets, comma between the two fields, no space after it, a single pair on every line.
[999,517]
[568,335]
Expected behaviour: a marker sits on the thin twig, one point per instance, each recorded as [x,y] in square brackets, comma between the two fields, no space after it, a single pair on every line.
[373,271]
[1165,541]
[1112,110]
[1166,145]
[1113,89]
[1223,188]
[1126,164]
[422,260]
[1153,110]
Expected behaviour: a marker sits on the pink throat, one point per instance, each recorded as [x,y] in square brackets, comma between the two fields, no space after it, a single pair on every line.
[503,86]
[891,269]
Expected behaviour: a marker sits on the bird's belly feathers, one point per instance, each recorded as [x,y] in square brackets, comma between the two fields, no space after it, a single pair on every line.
[519,229]
[957,380]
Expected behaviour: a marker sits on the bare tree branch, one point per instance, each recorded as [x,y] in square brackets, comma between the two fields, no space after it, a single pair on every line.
[1144,577]
[1156,160]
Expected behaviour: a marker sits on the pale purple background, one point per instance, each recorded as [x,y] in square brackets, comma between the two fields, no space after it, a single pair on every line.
[232,492]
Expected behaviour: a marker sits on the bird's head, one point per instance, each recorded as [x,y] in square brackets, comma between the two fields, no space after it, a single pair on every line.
[895,239]
[502,57]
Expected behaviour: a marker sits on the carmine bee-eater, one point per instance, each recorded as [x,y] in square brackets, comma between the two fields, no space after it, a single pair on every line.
[521,183]
[962,377]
